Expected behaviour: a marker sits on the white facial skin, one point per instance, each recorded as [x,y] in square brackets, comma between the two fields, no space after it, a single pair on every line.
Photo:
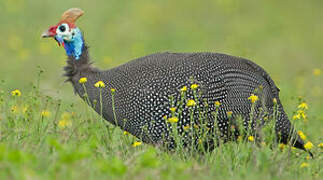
[64,32]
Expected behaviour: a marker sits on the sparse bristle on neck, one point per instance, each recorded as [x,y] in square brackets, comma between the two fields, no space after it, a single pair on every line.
[75,66]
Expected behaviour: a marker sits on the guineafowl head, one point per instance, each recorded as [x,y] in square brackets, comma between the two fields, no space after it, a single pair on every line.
[67,34]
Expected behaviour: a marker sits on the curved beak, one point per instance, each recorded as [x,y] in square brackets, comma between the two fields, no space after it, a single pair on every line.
[51,32]
[47,34]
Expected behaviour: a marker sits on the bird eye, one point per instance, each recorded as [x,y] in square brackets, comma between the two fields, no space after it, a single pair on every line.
[62,28]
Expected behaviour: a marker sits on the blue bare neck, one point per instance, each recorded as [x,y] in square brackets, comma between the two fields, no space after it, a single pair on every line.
[75,46]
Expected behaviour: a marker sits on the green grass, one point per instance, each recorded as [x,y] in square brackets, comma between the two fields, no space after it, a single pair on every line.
[46,138]
[284,37]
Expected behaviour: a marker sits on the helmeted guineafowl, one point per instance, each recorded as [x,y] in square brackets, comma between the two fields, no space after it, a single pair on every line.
[144,87]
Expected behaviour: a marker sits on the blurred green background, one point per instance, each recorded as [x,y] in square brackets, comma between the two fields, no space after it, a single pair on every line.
[284,37]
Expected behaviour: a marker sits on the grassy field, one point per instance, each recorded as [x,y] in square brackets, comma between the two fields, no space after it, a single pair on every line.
[48,133]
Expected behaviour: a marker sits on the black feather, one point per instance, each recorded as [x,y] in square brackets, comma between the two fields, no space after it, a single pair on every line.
[143,87]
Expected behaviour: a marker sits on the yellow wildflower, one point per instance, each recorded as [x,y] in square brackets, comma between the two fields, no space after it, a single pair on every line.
[113,90]
[304,116]
[251,138]
[301,113]
[125,133]
[63,123]
[281,146]
[308,145]
[190,103]
[260,87]
[186,127]
[172,109]
[194,86]
[239,139]
[301,135]
[265,118]
[83,80]
[304,165]
[65,120]
[308,157]
[200,141]
[320,145]
[16,92]
[303,105]
[173,120]
[296,116]
[229,113]
[66,115]
[24,110]
[253,98]
[45,113]
[14,109]
[99,84]
[217,103]
[184,89]
[275,101]
[136,143]
[316,72]
[24,54]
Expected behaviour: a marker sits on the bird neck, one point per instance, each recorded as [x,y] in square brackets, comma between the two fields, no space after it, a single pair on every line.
[78,65]
[75,46]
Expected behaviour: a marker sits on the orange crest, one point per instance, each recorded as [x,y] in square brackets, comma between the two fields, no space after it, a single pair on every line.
[71,15]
